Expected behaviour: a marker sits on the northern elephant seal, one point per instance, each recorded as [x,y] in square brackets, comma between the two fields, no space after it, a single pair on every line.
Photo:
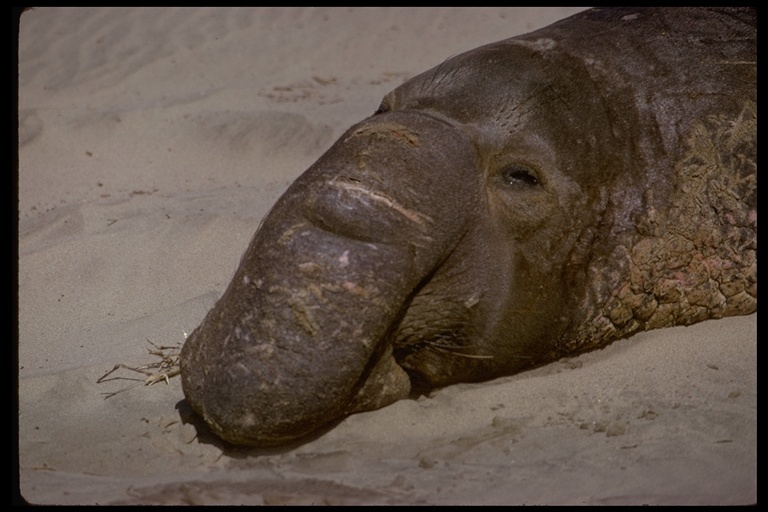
[530,199]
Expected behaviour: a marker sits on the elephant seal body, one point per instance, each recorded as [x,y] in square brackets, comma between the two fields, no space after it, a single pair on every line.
[533,198]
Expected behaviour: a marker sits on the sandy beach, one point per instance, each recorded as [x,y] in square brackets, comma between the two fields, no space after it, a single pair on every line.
[152,141]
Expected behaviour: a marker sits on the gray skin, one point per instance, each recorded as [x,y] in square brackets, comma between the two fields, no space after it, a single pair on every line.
[530,199]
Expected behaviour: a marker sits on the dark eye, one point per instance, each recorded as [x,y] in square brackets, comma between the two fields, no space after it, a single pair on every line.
[519,175]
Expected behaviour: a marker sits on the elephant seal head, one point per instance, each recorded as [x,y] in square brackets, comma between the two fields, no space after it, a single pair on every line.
[526,200]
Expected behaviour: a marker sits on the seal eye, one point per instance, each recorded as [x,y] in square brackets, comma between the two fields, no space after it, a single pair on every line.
[518,175]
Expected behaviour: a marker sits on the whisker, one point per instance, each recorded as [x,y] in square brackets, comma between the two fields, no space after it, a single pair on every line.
[460,354]
[454,350]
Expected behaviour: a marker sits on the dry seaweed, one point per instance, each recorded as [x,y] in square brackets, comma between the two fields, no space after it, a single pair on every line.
[162,370]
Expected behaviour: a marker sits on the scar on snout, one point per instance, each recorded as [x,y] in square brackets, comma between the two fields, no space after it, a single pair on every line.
[287,234]
[378,197]
[344,259]
[394,130]
[303,316]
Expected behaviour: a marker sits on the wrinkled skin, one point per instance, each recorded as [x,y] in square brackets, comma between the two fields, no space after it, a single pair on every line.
[530,199]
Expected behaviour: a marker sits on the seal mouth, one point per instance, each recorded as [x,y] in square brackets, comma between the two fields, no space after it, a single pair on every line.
[436,353]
